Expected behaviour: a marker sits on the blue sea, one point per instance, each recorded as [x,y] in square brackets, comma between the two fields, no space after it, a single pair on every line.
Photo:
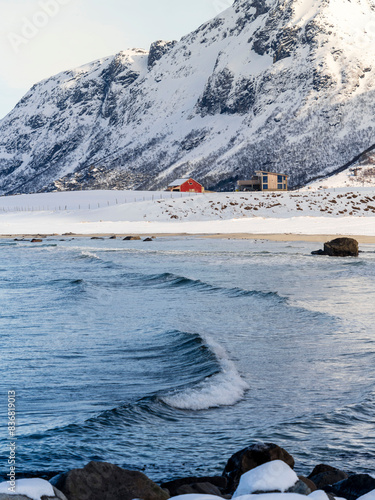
[169,356]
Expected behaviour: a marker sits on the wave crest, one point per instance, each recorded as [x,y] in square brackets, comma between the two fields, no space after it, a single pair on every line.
[222,389]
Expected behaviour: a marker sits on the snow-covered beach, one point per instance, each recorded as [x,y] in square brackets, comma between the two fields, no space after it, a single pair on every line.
[314,213]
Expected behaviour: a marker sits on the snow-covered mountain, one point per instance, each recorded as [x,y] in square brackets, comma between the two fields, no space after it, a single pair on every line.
[283,85]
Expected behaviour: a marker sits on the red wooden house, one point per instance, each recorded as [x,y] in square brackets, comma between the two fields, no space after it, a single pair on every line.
[186,186]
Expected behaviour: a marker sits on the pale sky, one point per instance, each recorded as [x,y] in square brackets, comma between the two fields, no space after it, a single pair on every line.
[39,38]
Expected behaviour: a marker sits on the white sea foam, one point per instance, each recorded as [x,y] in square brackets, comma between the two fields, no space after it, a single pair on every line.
[223,389]
[91,255]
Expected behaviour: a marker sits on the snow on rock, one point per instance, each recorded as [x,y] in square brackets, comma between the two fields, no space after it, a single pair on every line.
[368,496]
[31,488]
[283,85]
[318,495]
[271,476]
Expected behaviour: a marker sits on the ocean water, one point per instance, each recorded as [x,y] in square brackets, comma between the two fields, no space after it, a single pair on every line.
[169,356]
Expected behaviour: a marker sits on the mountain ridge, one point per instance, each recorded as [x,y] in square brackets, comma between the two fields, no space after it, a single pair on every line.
[283,85]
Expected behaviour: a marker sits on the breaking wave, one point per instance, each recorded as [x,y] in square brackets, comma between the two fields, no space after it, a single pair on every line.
[225,388]
[85,254]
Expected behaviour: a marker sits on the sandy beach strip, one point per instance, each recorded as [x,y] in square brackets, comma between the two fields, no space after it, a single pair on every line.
[318,238]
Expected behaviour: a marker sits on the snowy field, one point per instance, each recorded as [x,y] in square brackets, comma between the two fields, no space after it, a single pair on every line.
[349,211]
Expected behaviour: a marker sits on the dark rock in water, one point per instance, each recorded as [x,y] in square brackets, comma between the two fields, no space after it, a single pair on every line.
[209,485]
[113,238]
[340,247]
[103,481]
[318,252]
[132,238]
[353,487]
[148,239]
[36,240]
[323,475]
[251,457]
[97,238]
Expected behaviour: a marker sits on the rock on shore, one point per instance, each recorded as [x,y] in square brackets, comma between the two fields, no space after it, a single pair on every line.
[103,481]
[261,471]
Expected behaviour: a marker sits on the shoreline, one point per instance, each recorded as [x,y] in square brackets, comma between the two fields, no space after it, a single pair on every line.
[281,237]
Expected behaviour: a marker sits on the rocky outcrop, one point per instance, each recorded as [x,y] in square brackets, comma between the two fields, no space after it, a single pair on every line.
[250,458]
[157,50]
[340,247]
[103,481]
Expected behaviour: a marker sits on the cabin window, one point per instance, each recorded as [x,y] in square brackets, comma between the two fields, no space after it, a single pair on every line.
[190,183]
[265,179]
[280,179]
[280,186]
[265,186]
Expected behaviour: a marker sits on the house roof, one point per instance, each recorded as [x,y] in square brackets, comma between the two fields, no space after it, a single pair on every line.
[178,182]
[272,173]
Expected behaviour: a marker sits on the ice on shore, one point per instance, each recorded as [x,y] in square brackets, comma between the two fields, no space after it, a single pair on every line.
[32,488]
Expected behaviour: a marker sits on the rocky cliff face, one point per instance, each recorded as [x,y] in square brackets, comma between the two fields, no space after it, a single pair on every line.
[283,85]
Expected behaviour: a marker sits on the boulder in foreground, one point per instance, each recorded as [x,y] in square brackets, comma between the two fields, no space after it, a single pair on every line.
[103,481]
[250,458]
[324,475]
